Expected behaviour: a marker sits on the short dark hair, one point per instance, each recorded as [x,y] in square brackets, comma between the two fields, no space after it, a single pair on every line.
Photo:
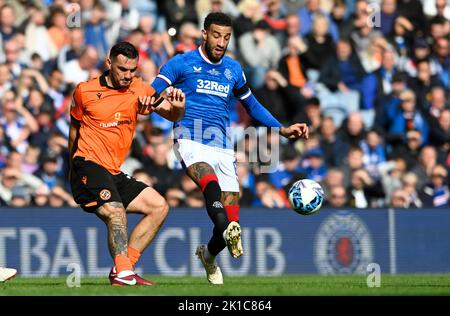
[218,18]
[124,48]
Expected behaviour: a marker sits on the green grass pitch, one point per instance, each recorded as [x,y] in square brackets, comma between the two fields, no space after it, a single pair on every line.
[287,285]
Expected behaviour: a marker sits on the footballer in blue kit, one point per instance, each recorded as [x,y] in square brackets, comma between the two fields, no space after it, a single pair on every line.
[209,79]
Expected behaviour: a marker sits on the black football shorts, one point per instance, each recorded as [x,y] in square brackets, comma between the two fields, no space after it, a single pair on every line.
[92,185]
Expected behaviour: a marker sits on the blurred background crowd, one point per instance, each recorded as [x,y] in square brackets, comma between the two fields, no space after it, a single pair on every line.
[371,79]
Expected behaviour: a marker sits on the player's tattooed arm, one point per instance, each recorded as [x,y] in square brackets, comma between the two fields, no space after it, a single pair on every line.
[114,215]
[198,170]
[230,198]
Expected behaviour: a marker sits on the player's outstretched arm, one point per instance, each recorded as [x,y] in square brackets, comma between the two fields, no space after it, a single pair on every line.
[294,131]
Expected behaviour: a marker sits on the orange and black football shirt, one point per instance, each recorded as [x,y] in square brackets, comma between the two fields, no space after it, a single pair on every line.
[107,119]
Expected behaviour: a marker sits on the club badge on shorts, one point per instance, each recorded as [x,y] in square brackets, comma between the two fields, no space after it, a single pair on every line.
[105,194]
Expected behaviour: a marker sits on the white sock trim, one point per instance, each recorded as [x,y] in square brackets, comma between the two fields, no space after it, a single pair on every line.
[125,273]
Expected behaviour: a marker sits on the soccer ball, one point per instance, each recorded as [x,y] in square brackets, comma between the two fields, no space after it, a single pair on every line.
[306,196]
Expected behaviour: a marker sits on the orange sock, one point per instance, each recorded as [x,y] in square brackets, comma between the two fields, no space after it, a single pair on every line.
[123,263]
[133,255]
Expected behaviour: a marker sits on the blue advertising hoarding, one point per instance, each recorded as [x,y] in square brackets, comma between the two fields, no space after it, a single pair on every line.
[45,241]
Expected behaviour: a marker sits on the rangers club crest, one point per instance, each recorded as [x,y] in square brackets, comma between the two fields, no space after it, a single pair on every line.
[228,74]
[343,245]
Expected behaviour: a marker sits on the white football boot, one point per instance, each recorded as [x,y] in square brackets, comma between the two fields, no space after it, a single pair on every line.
[213,272]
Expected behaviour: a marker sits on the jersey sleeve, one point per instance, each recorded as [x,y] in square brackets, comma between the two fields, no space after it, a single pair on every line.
[76,108]
[169,73]
[241,90]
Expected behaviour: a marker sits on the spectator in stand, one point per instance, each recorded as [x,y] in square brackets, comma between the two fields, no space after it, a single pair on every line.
[58,31]
[12,54]
[37,38]
[283,101]
[343,77]
[187,39]
[48,172]
[338,17]
[17,122]
[387,16]
[373,152]
[423,83]
[291,66]
[440,60]
[388,105]
[77,70]
[20,197]
[160,49]
[378,84]
[268,196]
[289,168]
[354,161]
[260,52]
[60,198]
[409,181]
[436,193]
[424,167]
[437,103]
[313,165]
[320,46]
[352,130]
[413,11]
[334,178]
[408,150]
[364,191]
[408,118]
[73,49]
[40,197]
[123,19]
[308,14]
[179,12]
[7,20]
[440,134]
[337,197]
[399,199]
[275,16]
[334,148]
[250,14]
[439,27]
[95,30]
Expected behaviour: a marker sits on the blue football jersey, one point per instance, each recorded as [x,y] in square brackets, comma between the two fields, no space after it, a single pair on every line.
[209,89]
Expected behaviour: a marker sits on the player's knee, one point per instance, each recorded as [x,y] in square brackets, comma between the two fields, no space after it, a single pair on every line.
[158,208]
[111,211]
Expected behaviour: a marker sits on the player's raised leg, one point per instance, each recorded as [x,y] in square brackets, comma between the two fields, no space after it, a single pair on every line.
[233,239]
[155,209]
[6,274]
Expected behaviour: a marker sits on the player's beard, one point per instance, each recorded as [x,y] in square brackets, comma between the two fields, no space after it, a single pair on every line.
[209,51]
[118,83]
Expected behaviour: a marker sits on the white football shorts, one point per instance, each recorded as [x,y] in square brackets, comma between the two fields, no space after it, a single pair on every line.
[222,160]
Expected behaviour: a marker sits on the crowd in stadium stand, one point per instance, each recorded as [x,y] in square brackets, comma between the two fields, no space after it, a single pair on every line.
[371,79]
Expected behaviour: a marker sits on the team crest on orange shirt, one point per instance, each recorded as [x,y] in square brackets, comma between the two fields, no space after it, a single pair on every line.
[117,116]
[105,194]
